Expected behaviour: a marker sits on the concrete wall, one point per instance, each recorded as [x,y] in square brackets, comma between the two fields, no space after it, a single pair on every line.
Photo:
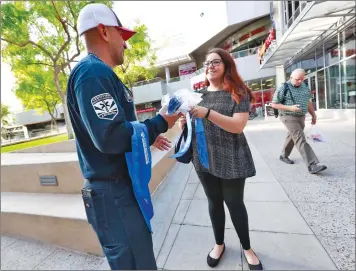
[240,11]
[65,146]
[172,87]
[25,177]
[149,93]
[248,68]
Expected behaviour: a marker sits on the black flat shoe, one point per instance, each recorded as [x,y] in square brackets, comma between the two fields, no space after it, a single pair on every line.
[214,262]
[252,266]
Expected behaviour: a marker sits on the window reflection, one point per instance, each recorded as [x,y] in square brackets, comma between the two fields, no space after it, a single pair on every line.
[332,87]
[332,51]
[321,89]
[319,52]
[268,86]
[348,83]
[348,42]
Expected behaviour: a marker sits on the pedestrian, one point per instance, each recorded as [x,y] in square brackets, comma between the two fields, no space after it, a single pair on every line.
[102,113]
[225,111]
[293,100]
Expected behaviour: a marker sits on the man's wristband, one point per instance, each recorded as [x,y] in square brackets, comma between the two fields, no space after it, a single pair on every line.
[207,114]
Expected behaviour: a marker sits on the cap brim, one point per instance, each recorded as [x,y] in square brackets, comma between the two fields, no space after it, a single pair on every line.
[126,33]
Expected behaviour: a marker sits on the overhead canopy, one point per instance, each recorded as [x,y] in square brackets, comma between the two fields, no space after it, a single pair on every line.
[314,23]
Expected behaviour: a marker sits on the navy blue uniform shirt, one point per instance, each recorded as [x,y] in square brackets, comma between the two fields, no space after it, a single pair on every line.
[101,109]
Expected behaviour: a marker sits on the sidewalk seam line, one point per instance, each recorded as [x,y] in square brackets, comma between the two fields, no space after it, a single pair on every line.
[180,226]
[171,222]
[294,204]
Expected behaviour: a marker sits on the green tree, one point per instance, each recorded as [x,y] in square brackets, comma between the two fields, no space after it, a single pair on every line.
[5,114]
[43,33]
[36,89]
[139,58]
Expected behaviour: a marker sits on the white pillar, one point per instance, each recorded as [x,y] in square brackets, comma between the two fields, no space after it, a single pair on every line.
[278,19]
[168,75]
[280,76]
[25,131]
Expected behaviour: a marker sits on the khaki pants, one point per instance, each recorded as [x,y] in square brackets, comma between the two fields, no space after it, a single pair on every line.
[295,126]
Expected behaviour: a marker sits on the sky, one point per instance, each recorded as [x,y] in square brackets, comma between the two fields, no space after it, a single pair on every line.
[175,26]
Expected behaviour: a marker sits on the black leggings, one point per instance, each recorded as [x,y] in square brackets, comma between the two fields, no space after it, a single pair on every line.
[232,192]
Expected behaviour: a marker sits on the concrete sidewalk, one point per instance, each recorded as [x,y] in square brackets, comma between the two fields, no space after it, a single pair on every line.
[286,230]
[279,234]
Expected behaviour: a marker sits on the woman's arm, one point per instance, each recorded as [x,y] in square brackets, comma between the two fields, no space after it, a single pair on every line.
[235,124]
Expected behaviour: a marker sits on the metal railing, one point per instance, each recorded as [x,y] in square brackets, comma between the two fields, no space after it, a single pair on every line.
[246,52]
[146,82]
[295,12]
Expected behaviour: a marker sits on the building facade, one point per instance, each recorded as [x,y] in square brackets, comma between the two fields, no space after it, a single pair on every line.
[320,37]
[243,27]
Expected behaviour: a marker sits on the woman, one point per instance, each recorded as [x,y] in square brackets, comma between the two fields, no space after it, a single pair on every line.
[225,112]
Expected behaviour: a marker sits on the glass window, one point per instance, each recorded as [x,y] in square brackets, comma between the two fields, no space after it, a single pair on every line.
[348,42]
[332,51]
[321,89]
[319,57]
[332,87]
[288,72]
[269,82]
[255,85]
[268,86]
[348,83]
[308,62]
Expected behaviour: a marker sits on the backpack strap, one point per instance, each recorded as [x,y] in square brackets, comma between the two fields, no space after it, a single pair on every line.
[287,89]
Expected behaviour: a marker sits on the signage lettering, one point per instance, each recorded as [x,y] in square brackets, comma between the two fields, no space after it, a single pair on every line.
[246,36]
[146,110]
[258,30]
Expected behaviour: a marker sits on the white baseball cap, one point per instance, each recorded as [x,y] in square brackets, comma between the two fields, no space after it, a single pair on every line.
[94,14]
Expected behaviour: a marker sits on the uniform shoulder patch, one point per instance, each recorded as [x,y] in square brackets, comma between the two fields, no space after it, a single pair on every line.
[105,106]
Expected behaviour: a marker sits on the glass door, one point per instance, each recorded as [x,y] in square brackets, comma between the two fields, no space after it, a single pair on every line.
[311,82]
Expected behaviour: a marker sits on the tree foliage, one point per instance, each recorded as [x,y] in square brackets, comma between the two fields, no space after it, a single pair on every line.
[43,33]
[139,58]
[37,90]
[5,114]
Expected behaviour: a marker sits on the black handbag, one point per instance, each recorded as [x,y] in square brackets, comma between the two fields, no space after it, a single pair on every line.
[188,156]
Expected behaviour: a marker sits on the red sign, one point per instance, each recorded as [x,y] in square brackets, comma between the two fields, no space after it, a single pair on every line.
[349,52]
[199,86]
[266,44]
[258,30]
[244,37]
[146,110]
[227,44]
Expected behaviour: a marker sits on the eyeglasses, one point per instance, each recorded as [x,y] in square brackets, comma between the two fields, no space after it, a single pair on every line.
[213,63]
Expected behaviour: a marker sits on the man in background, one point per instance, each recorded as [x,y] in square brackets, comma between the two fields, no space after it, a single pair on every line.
[293,100]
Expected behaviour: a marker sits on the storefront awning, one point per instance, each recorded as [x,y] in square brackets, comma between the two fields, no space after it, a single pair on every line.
[315,21]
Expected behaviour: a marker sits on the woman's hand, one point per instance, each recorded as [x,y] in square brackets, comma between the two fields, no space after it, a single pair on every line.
[181,122]
[199,112]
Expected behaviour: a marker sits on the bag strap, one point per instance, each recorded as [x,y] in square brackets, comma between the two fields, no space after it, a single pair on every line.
[286,88]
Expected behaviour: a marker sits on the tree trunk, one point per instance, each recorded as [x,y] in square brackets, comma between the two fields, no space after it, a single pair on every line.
[64,103]
[132,96]
[67,120]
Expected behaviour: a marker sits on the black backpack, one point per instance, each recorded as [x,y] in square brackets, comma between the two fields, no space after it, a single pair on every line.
[286,88]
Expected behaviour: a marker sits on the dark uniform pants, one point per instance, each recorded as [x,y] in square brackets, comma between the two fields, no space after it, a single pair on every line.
[116,218]
[295,126]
